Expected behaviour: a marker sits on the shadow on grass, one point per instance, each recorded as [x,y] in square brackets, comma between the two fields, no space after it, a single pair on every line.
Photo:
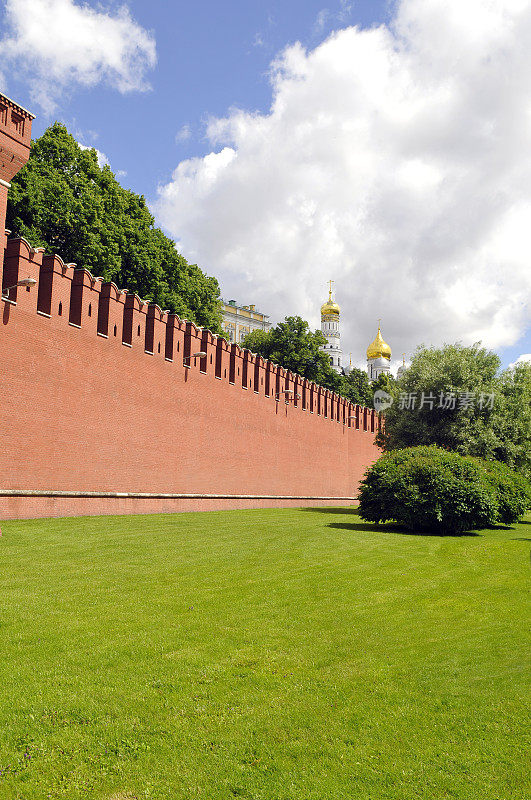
[390,527]
[333,510]
[501,527]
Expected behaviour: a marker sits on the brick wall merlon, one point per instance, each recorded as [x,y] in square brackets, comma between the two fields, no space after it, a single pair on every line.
[99,306]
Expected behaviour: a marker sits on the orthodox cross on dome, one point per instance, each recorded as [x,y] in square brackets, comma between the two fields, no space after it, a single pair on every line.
[330,289]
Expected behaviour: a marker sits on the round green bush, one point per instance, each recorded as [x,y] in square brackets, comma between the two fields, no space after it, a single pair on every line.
[430,489]
[513,491]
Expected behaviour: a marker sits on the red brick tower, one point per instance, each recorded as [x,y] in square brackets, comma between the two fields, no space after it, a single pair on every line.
[15,139]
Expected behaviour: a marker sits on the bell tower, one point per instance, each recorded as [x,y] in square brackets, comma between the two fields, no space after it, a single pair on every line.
[330,313]
[15,140]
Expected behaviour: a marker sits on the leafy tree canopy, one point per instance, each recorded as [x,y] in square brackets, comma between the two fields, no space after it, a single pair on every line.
[63,201]
[454,397]
[510,424]
[385,382]
[356,387]
[295,347]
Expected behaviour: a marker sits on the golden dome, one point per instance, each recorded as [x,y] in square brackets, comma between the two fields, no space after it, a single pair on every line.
[379,348]
[330,308]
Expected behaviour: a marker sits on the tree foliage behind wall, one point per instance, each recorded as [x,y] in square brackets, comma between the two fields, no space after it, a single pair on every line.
[356,387]
[64,201]
[292,345]
[455,397]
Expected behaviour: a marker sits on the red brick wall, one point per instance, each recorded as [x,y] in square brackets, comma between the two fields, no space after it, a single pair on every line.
[98,400]
[84,412]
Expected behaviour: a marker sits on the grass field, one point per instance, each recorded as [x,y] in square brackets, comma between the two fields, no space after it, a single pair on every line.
[267,655]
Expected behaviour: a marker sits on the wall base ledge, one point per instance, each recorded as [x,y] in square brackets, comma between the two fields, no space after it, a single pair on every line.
[165,495]
[38,503]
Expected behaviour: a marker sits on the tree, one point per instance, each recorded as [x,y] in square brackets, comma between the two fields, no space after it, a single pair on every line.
[356,387]
[63,201]
[511,420]
[385,382]
[258,341]
[453,397]
[292,345]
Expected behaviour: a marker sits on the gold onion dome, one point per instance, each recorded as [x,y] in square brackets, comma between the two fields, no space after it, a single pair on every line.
[379,348]
[330,308]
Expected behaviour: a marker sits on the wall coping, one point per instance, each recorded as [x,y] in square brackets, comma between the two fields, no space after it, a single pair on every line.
[16,105]
[163,495]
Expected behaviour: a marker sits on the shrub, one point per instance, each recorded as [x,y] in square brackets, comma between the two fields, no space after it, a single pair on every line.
[513,491]
[429,489]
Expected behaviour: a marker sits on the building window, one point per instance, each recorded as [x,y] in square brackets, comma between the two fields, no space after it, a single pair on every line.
[18,123]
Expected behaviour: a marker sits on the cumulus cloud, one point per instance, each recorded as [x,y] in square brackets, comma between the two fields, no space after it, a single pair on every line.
[395,160]
[55,44]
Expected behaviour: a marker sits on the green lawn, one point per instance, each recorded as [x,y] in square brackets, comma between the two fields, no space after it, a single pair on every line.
[272,655]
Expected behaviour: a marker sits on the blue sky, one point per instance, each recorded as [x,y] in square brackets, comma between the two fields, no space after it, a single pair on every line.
[211,56]
[187,130]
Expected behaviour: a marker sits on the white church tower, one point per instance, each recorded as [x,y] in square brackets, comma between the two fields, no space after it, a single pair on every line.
[378,357]
[402,368]
[330,312]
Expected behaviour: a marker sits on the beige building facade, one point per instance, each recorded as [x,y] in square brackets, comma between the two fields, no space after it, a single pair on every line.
[239,320]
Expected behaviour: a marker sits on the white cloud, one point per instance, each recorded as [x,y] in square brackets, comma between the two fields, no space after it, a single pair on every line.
[183,134]
[321,20]
[395,160]
[55,44]
[525,358]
